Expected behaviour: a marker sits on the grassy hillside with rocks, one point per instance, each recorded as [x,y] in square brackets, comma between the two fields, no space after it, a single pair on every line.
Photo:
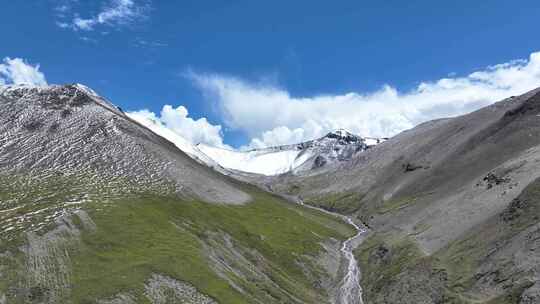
[95,208]
[62,245]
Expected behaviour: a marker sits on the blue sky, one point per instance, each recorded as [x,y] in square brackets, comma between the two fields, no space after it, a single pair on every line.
[259,68]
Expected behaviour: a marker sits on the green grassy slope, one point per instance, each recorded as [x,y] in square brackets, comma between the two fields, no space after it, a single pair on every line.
[138,235]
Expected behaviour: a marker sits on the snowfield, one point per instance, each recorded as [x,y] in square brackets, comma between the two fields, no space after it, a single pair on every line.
[256,161]
[336,146]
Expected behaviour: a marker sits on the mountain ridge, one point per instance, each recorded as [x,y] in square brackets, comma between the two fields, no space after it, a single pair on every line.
[44,112]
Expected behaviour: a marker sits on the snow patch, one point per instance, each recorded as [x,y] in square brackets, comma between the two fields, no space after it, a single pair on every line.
[256,161]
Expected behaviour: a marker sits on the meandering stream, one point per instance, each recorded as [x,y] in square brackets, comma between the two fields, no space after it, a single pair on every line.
[349,290]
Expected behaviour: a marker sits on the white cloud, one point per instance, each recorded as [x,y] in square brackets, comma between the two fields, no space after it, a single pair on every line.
[114,13]
[63,7]
[84,24]
[17,71]
[62,24]
[271,116]
[178,121]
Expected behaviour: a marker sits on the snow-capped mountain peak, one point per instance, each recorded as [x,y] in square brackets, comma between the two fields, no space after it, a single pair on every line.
[343,135]
[337,146]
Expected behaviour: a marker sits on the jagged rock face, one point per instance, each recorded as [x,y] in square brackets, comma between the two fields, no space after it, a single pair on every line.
[66,130]
[344,136]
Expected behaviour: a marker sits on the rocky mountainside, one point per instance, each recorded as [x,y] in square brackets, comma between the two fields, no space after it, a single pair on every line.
[97,208]
[453,206]
[337,146]
[66,130]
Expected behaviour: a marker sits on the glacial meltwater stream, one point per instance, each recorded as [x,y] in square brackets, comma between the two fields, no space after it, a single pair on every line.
[349,290]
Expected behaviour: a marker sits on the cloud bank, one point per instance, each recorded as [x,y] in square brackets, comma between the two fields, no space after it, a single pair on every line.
[17,71]
[271,116]
[178,121]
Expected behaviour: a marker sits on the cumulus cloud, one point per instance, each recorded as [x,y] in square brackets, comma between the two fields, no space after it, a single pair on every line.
[271,116]
[114,13]
[178,120]
[17,71]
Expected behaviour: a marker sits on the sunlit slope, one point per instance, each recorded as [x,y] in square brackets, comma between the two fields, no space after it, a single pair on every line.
[95,208]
